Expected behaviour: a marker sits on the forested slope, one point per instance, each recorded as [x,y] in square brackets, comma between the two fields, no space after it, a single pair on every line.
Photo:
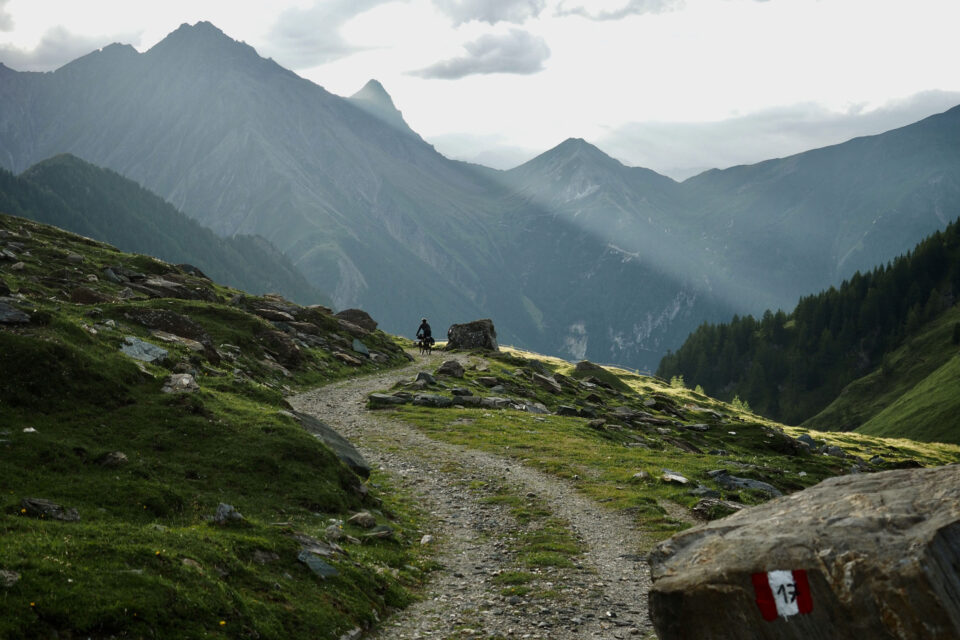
[791,366]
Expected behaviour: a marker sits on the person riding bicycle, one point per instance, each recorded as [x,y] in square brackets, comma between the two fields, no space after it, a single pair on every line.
[424,333]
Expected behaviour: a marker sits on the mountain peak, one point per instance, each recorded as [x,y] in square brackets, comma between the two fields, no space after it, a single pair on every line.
[202,38]
[375,100]
[373,91]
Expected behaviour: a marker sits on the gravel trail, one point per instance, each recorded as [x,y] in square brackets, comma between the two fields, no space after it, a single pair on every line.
[603,596]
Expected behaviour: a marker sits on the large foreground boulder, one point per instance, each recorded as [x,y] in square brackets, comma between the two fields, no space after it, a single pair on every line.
[478,334]
[862,556]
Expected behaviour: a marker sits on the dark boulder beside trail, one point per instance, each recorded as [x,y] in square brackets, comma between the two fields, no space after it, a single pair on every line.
[479,334]
[860,556]
[358,317]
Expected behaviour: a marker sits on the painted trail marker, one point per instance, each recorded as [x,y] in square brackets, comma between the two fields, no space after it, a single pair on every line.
[782,593]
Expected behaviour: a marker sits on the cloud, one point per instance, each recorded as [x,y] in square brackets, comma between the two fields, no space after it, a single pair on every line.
[311,37]
[683,149]
[6,20]
[515,52]
[491,11]
[57,47]
[632,7]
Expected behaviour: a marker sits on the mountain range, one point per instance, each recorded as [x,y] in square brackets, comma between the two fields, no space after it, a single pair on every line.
[571,253]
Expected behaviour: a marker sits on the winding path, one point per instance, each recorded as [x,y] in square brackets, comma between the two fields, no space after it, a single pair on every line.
[603,596]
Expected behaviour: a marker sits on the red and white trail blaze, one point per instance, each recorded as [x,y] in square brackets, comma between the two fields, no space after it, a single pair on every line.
[782,593]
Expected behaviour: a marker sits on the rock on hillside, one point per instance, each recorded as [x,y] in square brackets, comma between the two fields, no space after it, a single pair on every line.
[861,556]
[479,334]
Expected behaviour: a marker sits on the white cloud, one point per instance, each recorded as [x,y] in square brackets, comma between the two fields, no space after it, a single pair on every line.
[518,52]
[312,36]
[618,10]
[491,11]
[57,47]
[682,149]
[6,20]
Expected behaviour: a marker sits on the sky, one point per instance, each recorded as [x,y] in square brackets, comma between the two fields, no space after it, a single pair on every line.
[678,86]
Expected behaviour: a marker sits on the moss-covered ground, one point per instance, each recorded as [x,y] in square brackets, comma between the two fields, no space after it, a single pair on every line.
[620,460]
[144,559]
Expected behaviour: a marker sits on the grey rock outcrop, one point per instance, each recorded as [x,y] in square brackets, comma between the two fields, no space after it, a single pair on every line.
[860,556]
[180,383]
[11,315]
[358,317]
[735,483]
[143,351]
[380,400]
[340,446]
[42,508]
[479,334]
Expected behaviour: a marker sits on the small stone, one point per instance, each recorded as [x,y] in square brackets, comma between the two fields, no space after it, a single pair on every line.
[451,368]
[19,266]
[193,564]
[180,383]
[359,347]
[641,476]
[363,519]
[704,492]
[75,258]
[334,532]
[427,539]
[8,578]
[674,477]
[265,557]
[426,377]
[42,508]
[378,400]
[12,315]
[143,351]
[347,359]
[226,514]
[381,532]
[113,459]
[317,565]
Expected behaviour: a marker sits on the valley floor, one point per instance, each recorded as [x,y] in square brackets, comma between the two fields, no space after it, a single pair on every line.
[602,594]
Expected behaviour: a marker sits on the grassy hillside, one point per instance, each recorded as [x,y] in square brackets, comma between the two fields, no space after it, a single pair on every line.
[75,195]
[621,431]
[921,362]
[89,428]
[927,412]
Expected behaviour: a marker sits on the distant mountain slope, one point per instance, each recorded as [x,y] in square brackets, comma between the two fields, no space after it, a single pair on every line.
[572,253]
[799,224]
[75,195]
[899,318]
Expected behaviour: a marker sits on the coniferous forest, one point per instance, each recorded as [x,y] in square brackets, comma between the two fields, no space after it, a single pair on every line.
[790,366]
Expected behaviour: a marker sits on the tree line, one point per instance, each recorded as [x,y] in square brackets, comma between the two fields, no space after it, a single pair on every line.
[790,366]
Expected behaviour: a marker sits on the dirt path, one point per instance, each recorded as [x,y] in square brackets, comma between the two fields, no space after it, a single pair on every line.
[603,596]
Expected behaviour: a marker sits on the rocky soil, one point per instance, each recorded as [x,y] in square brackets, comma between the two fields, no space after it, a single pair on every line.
[604,595]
